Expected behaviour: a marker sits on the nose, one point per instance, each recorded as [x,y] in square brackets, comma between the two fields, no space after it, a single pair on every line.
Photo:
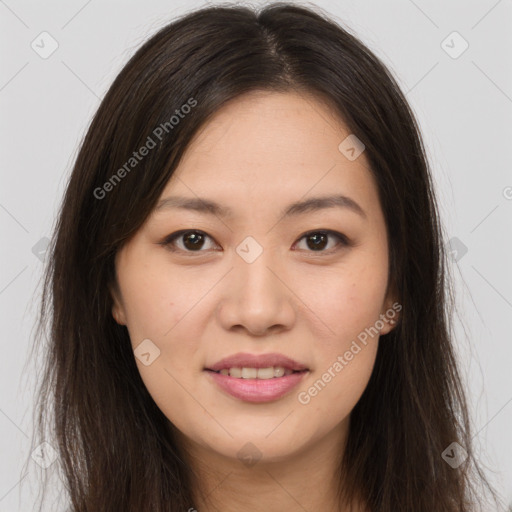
[257,298]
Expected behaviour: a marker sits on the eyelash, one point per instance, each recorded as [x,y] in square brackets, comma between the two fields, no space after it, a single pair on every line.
[343,240]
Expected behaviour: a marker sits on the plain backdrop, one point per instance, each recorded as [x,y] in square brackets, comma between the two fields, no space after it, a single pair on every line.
[459,86]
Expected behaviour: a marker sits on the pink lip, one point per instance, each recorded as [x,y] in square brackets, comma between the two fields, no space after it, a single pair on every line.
[244,360]
[257,390]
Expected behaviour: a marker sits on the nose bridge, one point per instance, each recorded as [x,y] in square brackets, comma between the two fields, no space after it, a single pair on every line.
[256,297]
[257,283]
[253,266]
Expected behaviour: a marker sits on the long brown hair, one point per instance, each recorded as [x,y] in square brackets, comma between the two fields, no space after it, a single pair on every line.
[114,445]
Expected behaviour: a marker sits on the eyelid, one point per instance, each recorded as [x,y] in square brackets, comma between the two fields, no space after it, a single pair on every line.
[169,239]
[343,240]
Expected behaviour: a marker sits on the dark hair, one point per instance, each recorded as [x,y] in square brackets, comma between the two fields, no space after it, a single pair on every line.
[116,451]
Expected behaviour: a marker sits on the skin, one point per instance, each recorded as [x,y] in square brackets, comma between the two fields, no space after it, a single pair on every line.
[259,153]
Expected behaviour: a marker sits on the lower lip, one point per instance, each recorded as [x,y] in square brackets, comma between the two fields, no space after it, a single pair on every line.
[257,390]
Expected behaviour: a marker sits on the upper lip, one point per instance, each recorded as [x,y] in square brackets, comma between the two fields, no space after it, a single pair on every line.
[244,360]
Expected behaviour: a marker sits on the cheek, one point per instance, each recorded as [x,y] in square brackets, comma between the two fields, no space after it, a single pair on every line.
[345,352]
[346,301]
[349,302]
[162,310]
[156,302]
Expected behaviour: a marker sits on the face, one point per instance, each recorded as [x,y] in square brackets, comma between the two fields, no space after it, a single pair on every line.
[298,289]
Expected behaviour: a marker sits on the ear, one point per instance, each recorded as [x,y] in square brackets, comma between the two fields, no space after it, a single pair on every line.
[117,306]
[391,311]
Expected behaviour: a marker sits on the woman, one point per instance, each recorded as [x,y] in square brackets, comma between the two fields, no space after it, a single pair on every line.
[247,286]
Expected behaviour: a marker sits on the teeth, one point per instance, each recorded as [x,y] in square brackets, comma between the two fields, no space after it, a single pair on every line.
[279,371]
[265,373]
[249,373]
[235,372]
[256,373]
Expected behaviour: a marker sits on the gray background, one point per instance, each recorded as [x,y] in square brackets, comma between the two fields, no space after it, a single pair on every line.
[463,104]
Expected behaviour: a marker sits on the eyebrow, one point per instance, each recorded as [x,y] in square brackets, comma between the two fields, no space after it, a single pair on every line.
[298,208]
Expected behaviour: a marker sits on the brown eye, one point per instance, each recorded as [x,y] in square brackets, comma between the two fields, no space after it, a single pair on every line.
[191,241]
[317,241]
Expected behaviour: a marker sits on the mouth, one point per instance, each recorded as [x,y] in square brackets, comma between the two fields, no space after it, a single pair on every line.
[256,390]
[250,366]
[257,378]
[271,372]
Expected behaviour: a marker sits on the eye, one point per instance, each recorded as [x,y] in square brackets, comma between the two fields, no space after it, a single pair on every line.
[194,240]
[318,240]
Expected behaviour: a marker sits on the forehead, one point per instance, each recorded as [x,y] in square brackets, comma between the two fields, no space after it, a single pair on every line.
[269,124]
[271,147]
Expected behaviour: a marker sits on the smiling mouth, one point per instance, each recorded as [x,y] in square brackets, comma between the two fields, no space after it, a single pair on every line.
[257,385]
[271,372]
